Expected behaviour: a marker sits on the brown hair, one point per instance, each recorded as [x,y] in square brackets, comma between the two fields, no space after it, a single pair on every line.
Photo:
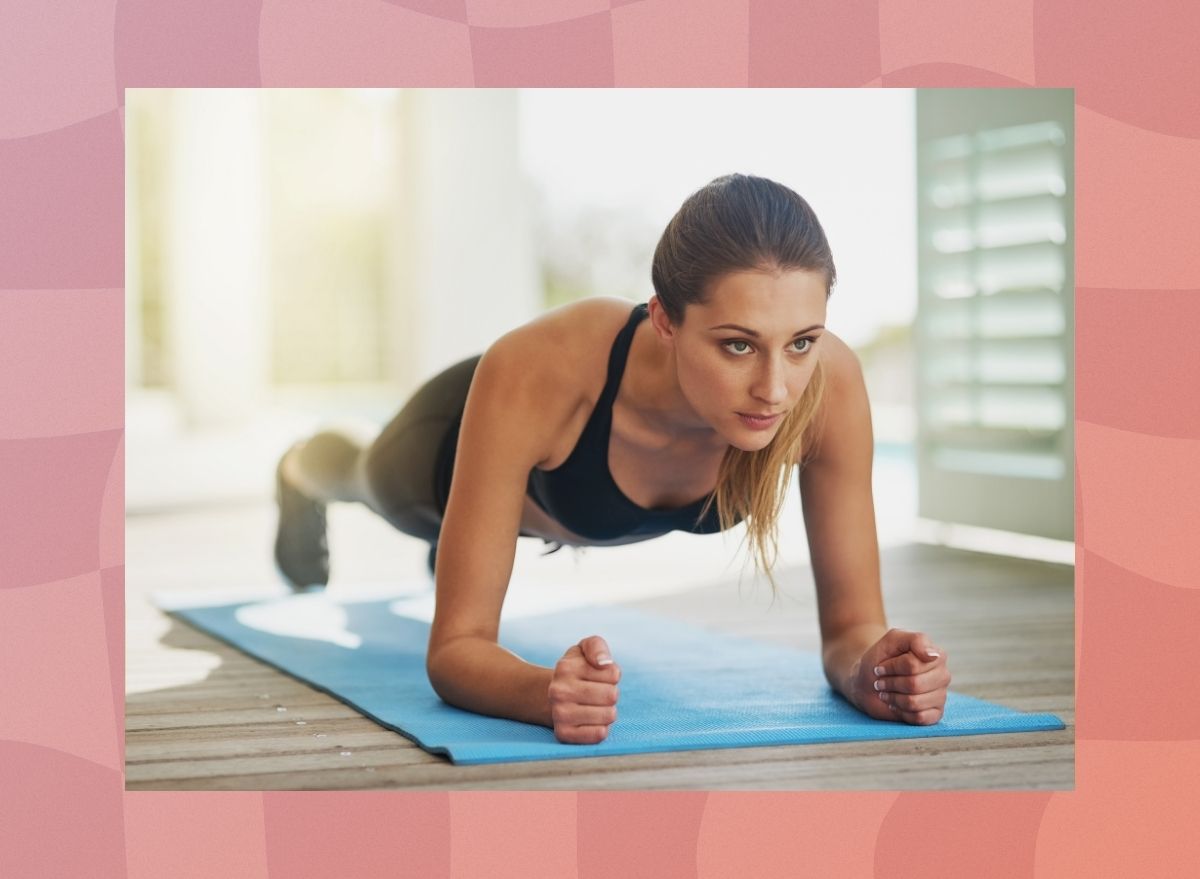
[743,223]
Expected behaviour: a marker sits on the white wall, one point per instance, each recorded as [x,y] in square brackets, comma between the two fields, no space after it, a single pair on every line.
[133,252]
[849,152]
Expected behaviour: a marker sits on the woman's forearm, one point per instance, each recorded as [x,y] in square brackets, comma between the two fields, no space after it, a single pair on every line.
[481,676]
[841,653]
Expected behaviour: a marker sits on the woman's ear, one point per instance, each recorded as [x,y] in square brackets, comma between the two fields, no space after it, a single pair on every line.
[659,320]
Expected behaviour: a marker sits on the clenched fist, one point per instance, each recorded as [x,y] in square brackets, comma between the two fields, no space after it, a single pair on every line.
[583,693]
[902,677]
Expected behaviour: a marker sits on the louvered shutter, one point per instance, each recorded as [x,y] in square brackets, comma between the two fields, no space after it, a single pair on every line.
[995,316]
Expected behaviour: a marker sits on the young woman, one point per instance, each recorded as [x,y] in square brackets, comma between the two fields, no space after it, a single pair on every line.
[601,424]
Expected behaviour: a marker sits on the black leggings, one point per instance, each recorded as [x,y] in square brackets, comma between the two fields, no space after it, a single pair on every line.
[407,469]
[403,474]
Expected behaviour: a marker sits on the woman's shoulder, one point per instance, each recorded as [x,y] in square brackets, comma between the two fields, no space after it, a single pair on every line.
[592,321]
[549,372]
[841,363]
[566,349]
[844,410]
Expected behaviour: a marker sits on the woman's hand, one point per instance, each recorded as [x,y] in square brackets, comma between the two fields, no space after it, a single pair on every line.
[583,693]
[902,676]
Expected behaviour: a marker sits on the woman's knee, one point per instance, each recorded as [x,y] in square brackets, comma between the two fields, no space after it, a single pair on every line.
[329,454]
[321,466]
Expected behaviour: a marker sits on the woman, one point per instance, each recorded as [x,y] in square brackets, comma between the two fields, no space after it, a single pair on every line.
[598,425]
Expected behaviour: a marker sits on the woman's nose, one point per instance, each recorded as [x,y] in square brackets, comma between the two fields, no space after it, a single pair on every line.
[769,385]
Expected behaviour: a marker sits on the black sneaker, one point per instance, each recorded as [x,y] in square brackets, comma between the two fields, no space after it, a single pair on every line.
[301,548]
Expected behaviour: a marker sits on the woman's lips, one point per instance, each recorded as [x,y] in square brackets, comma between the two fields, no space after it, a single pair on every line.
[755,422]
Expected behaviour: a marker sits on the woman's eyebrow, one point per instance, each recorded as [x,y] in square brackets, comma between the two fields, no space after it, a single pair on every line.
[754,334]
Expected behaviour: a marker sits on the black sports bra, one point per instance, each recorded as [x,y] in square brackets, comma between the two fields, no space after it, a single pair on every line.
[581,494]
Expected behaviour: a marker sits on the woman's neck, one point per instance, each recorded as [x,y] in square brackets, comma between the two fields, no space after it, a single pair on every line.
[651,390]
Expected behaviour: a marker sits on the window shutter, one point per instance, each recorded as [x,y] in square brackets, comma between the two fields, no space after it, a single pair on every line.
[995,319]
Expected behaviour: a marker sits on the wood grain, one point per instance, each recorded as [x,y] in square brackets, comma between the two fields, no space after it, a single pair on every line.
[201,715]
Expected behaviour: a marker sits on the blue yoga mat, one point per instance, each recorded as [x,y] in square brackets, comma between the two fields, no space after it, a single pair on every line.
[682,687]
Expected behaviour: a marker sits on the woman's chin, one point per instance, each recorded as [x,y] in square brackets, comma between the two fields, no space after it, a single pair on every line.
[754,441]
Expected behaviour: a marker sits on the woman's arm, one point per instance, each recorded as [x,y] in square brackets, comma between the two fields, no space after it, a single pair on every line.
[496,449]
[839,515]
[513,411]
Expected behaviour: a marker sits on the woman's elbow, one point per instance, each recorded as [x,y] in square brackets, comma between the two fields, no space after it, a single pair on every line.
[440,662]
[435,670]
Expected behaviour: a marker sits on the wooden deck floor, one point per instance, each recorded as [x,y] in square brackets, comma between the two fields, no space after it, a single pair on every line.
[201,715]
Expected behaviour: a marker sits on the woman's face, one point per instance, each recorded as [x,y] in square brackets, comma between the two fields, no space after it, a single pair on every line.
[744,357]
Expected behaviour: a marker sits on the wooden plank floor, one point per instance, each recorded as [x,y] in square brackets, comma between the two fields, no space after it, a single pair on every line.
[201,715]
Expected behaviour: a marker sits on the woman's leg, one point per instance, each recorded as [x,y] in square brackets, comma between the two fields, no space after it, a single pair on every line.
[310,475]
[326,467]
[402,475]
[405,473]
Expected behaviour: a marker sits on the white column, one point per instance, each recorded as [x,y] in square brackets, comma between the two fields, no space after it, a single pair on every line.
[217,303]
[466,263]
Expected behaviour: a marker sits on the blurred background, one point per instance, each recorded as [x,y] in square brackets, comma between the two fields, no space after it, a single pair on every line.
[298,258]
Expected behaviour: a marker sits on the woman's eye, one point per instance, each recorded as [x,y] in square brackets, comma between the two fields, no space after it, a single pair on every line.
[738,346]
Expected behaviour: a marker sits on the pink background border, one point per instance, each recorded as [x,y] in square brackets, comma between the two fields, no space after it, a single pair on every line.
[63,68]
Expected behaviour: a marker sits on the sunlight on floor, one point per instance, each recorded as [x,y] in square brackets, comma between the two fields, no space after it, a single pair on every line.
[173,667]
